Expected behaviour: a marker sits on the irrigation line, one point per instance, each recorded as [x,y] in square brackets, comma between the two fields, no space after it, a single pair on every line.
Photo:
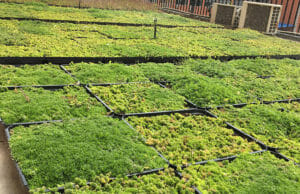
[128,60]
[103,23]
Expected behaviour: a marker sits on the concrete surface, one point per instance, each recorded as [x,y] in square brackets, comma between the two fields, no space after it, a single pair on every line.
[10,182]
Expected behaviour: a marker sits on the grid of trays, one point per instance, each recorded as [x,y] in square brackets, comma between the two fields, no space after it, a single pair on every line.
[179,110]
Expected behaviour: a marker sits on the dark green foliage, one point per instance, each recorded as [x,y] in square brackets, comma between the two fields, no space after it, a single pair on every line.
[200,89]
[56,153]
[189,139]
[244,74]
[33,75]
[37,104]
[106,73]
[35,27]
[206,91]
[134,98]
[247,174]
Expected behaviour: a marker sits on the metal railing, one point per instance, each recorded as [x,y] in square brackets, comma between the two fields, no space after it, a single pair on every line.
[289,20]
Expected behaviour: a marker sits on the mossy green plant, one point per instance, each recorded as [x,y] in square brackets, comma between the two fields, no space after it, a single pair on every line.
[37,104]
[161,182]
[188,139]
[106,73]
[135,98]
[277,125]
[28,75]
[257,173]
[57,153]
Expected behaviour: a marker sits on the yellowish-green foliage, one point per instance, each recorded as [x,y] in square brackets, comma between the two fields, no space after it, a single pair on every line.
[277,125]
[188,139]
[247,174]
[32,38]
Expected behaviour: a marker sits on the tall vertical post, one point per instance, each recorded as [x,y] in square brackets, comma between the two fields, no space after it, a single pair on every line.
[155,27]
[79,4]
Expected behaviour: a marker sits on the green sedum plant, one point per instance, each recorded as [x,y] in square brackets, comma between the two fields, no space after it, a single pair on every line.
[37,104]
[57,153]
[80,40]
[162,182]
[43,11]
[281,82]
[134,98]
[106,73]
[191,138]
[258,173]
[33,75]
[277,125]
[200,89]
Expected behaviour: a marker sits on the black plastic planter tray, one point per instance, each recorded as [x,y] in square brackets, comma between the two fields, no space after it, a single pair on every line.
[127,60]
[47,87]
[98,99]
[11,126]
[120,83]
[152,171]
[178,174]
[102,23]
[67,72]
[250,138]
[207,113]
[230,158]
[245,104]
[119,115]
[164,158]
[240,105]
[61,189]
[247,136]
[7,130]
[240,132]
[161,84]
[30,123]
[147,114]
[107,84]
[281,156]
